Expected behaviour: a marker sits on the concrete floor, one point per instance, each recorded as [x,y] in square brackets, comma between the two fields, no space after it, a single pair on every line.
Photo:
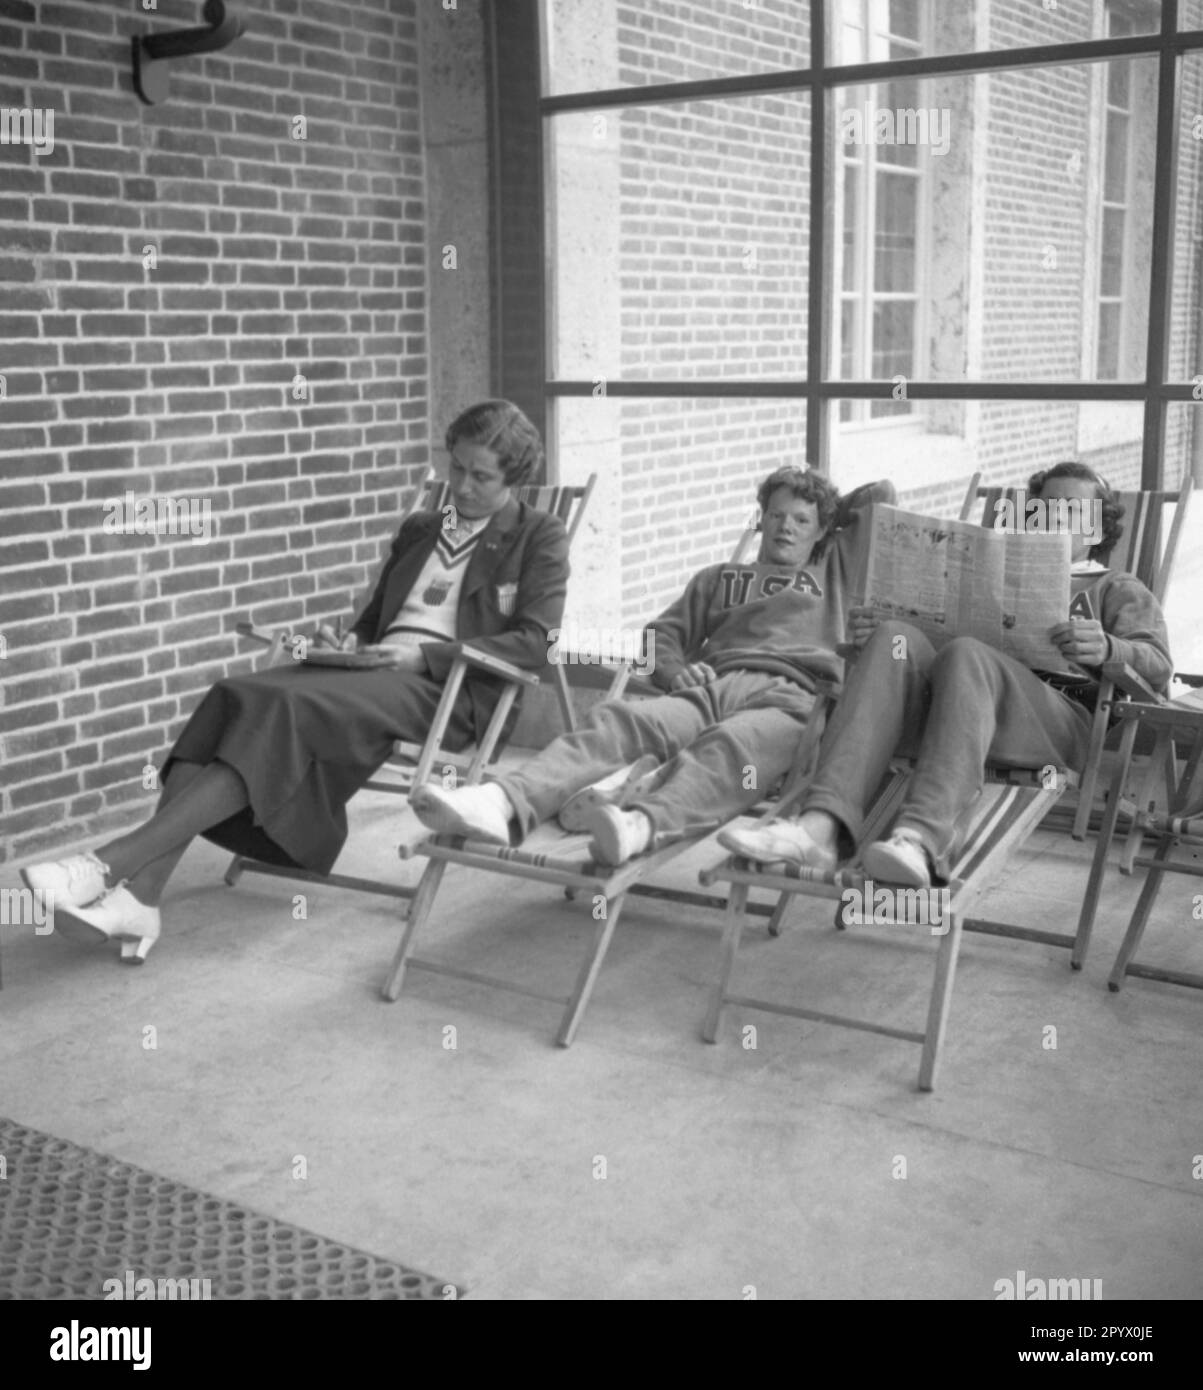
[725,1167]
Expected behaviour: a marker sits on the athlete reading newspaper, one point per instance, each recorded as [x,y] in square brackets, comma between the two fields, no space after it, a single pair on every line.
[954,709]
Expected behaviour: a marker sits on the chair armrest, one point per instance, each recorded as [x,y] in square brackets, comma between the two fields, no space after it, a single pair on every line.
[1127,680]
[497,667]
[259,634]
[1188,679]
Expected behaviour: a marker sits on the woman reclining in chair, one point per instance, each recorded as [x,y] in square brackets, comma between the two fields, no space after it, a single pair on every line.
[268,761]
[959,707]
[737,655]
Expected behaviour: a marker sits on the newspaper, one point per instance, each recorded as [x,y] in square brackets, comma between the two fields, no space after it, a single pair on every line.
[960,579]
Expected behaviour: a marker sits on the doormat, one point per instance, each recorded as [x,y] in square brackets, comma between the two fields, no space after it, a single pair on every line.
[75,1223]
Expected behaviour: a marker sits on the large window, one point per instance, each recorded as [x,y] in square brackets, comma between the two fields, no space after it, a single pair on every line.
[878,236]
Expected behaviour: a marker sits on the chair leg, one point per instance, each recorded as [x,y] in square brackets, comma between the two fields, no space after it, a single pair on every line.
[731,933]
[941,1001]
[1098,867]
[419,910]
[564,696]
[234,871]
[1098,735]
[1140,917]
[777,920]
[1144,795]
[589,971]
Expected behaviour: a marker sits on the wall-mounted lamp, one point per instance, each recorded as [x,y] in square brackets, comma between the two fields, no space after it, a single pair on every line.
[153,52]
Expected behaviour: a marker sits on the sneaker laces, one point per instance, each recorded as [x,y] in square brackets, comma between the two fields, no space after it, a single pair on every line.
[79,866]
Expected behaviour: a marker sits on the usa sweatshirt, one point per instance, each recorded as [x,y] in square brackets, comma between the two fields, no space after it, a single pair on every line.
[782,619]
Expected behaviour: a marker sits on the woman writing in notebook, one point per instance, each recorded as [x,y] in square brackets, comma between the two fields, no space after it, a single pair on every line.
[268,761]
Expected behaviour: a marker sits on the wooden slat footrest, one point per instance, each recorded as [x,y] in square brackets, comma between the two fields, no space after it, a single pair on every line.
[361,885]
[454,972]
[1169,977]
[840,1020]
[1009,929]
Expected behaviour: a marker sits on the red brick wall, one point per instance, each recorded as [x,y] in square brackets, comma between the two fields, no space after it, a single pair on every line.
[275,256]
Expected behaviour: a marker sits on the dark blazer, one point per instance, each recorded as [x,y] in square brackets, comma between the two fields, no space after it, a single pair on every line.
[513,594]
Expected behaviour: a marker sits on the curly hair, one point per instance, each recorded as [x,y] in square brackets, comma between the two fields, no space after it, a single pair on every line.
[501,426]
[805,485]
[1113,508]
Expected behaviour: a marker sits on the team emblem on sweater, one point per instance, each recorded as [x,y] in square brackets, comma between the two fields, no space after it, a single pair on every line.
[737,585]
[1080,606]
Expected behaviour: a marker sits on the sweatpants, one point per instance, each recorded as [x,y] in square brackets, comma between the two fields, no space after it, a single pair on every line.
[953,710]
[723,746]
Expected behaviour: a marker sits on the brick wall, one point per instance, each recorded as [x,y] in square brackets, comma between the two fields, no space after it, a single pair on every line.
[273,258]
[715,227]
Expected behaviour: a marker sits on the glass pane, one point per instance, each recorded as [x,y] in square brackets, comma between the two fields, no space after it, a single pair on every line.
[1190,14]
[853,213]
[904,18]
[678,236]
[676,489]
[1109,341]
[1115,177]
[932,454]
[1185,357]
[591,45]
[893,340]
[1001,232]
[965,26]
[1119,85]
[896,240]
[1111,265]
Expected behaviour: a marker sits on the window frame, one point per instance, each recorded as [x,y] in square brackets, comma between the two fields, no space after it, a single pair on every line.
[819,388]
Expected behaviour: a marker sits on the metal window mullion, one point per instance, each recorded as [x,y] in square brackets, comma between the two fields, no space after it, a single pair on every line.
[1161,273]
[821,75]
[818,453]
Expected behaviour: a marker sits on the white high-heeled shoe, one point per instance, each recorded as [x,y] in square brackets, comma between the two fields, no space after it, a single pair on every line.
[115,916]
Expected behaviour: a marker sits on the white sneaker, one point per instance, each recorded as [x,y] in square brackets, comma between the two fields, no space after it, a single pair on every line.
[71,882]
[618,835]
[116,916]
[480,813]
[901,859]
[784,842]
[610,791]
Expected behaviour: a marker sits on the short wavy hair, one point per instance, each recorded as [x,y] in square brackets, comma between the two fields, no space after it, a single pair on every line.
[499,425]
[807,486]
[1113,508]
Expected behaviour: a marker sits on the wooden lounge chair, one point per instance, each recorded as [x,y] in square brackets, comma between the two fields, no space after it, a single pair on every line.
[552,857]
[1011,805]
[1177,825]
[415,762]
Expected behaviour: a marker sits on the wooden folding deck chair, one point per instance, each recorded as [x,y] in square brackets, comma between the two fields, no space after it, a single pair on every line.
[1153,525]
[1012,804]
[550,856]
[415,761]
[1178,826]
